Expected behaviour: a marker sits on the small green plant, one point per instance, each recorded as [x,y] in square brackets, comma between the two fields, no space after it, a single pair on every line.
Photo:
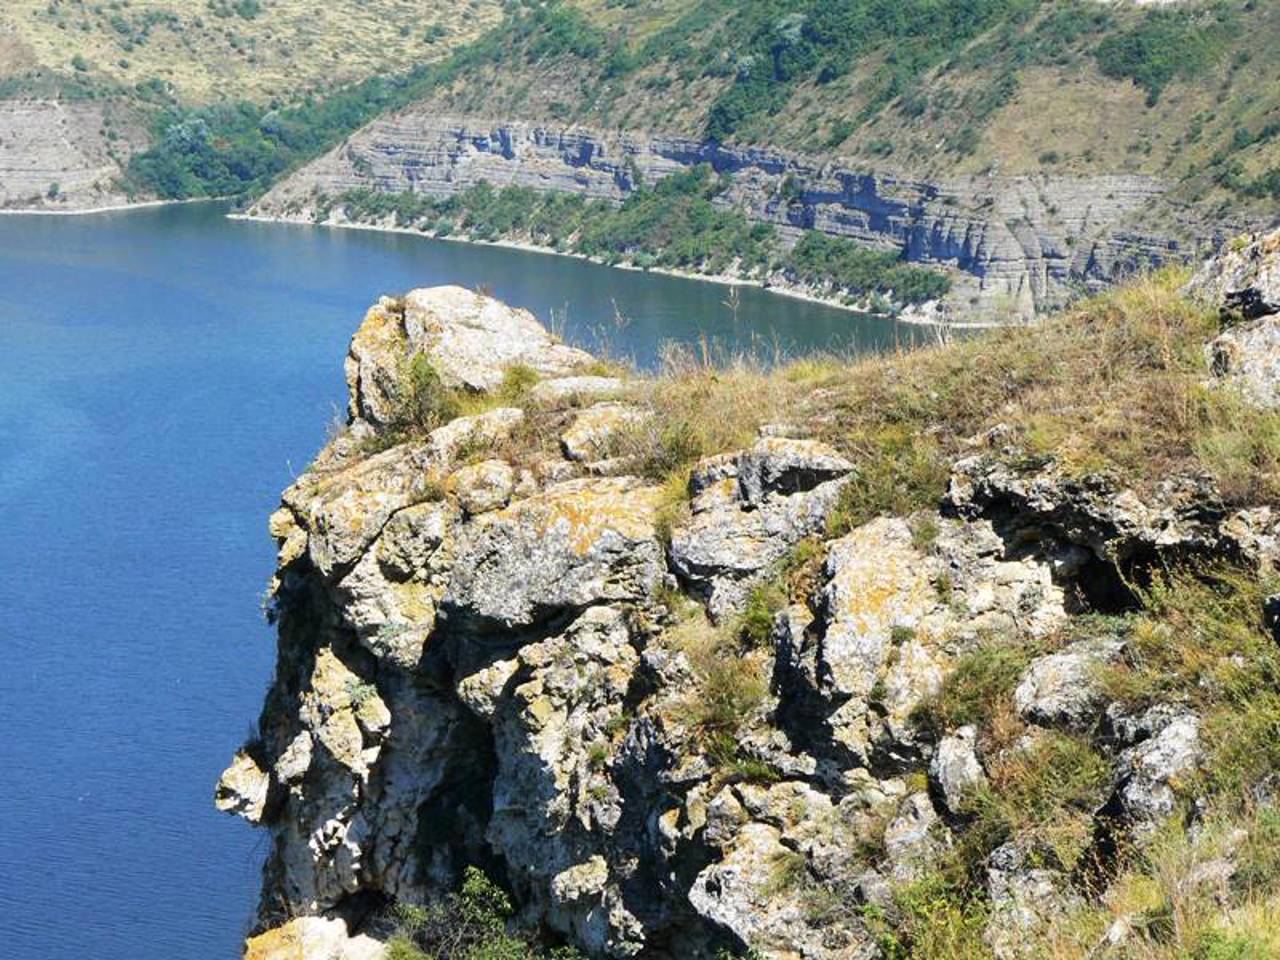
[360,692]
[425,402]
[979,683]
[755,624]
[471,924]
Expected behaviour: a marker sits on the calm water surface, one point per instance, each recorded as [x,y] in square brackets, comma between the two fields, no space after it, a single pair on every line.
[162,375]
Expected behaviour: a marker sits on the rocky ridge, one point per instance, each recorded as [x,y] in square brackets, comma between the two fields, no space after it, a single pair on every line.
[1016,244]
[488,658]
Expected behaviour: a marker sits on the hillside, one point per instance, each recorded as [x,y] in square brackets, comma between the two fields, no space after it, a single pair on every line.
[962,136]
[964,653]
[217,50]
[83,84]
[1190,92]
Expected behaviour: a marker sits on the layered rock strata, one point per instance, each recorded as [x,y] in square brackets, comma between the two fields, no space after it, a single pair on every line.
[1016,244]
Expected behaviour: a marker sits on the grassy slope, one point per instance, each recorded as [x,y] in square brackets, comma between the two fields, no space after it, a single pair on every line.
[209,52]
[1025,93]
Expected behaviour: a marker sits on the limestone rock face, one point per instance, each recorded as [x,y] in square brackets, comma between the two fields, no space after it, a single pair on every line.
[1093,512]
[749,510]
[1017,243]
[242,789]
[890,618]
[482,487]
[1244,281]
[578,543]
[1024,899]
[491,655]
[472,339]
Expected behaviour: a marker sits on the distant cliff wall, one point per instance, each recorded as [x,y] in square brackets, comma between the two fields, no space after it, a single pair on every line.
[65,155]
[1017,244]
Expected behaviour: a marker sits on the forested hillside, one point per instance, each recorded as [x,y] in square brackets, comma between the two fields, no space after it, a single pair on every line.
[1189,92]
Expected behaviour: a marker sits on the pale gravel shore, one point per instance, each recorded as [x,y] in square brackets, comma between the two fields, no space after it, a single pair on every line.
[720,279]
[524,246]
[110,208]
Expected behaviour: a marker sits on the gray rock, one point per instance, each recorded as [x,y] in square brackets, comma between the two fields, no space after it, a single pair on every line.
[731,541]
[1062,689]
[1183,514]
[955,770]
[1025,900]
[756,893]
[568,389]
[786,466]
[1247,357]
[242,789]
[1148,773]
[1019,242]
[470,339]
[481,487]
[595,431]
[1243,281]
[914,839]
[575,544]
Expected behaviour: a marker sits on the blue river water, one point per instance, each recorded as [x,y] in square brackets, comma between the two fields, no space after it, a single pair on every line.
[163,375]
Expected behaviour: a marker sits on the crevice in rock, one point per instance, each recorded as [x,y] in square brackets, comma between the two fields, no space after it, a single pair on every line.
[451,823]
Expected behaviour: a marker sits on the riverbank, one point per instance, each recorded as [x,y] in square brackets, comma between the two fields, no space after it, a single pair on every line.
[923,315]
[109,208]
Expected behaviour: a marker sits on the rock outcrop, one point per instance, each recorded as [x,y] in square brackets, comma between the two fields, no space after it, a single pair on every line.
[1017,244]
[1245,283]
[56,154]
[493,654]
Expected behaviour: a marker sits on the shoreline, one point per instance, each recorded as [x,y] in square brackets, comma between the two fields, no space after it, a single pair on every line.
[110,208]
[526,247]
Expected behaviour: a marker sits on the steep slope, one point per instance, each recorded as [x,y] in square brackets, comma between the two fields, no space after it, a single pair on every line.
[963,653]
[963,135]
[81,84]
[231,49]
[1015,245]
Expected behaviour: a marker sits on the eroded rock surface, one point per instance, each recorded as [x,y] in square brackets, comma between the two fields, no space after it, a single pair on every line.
[483,660]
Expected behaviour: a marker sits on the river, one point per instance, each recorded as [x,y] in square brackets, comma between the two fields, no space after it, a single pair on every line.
[163,375]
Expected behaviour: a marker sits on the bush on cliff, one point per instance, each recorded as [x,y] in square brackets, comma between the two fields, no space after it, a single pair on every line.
[471,924]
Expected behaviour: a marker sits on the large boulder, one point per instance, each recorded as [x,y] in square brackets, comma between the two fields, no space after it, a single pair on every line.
[575,544]
[471,340]
[313,938]
[1182,515]
[1064,688]
[749,509]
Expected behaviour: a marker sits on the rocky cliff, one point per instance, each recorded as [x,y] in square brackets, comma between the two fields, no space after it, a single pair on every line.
[725,714]
[65,155]
[1017,244]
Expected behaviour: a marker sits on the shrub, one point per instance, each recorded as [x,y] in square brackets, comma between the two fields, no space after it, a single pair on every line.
[471,924]
[977,687]
[425,402]
[1167,45]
